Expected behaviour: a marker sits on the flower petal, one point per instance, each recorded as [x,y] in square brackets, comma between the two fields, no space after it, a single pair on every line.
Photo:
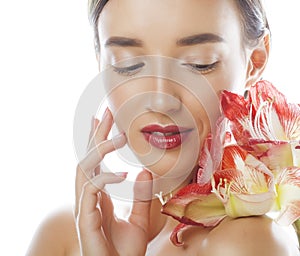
[264,116]
[234,106]
[243,172]
[237,110]
[231,155]
[288,186]
[207,211]
[295,147]
[288,114]
[278,157]
[292,123]
[240,205]
[205,170]
[212,151]
[195,205]
[174,235]
[289,214]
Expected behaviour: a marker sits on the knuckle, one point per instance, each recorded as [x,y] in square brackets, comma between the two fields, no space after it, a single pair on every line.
[90,187]
[101,150]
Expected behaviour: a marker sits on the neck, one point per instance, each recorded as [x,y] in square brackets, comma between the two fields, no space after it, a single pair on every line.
[157,219]
[167,186]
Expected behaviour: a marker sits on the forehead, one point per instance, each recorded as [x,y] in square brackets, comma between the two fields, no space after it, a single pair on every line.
[157,20]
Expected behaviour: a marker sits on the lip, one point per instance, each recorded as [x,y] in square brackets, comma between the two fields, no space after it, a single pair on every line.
[167,137]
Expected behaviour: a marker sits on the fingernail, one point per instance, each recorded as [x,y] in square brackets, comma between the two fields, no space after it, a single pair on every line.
[122,174]
[119,140]
[105,114]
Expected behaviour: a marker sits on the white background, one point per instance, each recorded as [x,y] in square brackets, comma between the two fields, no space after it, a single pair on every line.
[46,60]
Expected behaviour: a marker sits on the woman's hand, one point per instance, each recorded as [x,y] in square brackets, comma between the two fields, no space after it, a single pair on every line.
[99,231]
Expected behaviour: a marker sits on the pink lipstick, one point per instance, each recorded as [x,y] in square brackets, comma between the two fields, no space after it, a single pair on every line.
[167,137]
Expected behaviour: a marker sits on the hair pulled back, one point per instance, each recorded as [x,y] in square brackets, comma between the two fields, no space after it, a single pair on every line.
[253,18]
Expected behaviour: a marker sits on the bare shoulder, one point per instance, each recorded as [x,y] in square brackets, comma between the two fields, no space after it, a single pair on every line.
[56,235]
[250,236]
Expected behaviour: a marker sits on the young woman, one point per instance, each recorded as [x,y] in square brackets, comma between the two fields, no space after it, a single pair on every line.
[223,43]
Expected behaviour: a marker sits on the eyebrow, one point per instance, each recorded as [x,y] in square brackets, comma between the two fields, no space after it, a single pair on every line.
[123,42]
[186,41]
[200,39]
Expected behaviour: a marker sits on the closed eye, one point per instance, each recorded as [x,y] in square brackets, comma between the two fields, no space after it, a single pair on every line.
[129,70]
[200,68]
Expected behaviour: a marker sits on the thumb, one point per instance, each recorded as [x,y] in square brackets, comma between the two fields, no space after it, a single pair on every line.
[140,213]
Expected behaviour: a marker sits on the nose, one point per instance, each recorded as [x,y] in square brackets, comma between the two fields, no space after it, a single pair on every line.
[164,97]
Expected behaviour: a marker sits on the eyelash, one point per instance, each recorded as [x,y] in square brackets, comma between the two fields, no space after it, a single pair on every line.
[203,69]
[198,68]
[130,70]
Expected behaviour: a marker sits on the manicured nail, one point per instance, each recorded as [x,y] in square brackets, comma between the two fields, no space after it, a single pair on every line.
[121,174]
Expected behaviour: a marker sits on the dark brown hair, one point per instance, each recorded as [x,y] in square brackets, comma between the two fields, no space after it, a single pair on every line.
[253,17]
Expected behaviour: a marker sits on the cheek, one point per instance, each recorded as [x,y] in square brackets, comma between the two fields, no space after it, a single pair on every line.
[125,106]
[233,73]
[203,123]
[201,108]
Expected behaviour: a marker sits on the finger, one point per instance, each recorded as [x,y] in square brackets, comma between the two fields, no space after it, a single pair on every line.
[102,129]
[140,213]
[91,237]
[96,155]
[85,169]
[107,209]
[89,197]
[97,170]
[94,125]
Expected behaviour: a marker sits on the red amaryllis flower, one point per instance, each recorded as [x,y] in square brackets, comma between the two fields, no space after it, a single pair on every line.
[265,124]
[239,186]
[250,173]
[269,128]
[243,186]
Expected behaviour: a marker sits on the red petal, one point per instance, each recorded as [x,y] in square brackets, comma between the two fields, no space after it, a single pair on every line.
[174,235]
[193,189]
[266,91]
[236,109]
[234,106]
[288,114]
[229,175]
[230,154]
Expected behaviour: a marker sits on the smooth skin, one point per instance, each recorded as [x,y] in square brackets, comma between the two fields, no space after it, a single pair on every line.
[92,229]
[58,235]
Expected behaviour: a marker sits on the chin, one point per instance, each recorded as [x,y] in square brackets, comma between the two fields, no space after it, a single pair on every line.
[175,163]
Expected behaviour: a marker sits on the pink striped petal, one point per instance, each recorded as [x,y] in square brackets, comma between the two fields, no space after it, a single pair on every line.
[289,214]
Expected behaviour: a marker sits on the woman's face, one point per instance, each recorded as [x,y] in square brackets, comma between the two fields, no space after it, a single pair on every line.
[165,120]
